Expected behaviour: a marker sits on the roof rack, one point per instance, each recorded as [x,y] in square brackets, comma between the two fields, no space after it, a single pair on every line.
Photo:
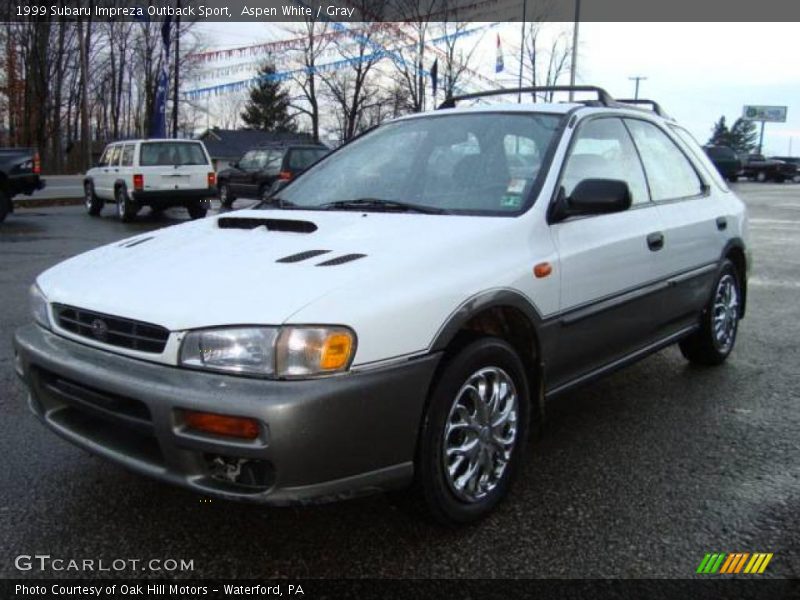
[603,97]
[654,106]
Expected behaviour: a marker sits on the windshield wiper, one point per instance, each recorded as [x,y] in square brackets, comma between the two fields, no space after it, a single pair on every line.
[276,202]
[382,204]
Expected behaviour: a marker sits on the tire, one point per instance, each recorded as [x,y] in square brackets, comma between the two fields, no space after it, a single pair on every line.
[761,177]
[780,179]
[225,197]
[197,211]
[5,205]
[713,342]
[733,178]
[455,418]
[126,209]
[92,203]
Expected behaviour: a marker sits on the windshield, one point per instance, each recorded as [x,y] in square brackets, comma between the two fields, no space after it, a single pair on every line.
[156,154]
[479,163]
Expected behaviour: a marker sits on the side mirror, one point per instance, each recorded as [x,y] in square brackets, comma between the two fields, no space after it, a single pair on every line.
[593,197]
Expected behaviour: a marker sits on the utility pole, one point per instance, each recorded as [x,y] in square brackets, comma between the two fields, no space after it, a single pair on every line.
[574,66]
[522,49]
[83,43]
[177,71]
[637,79]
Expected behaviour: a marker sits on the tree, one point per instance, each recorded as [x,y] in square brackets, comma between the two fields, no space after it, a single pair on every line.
[743,136]
[268,106]
[720,134]
[315,41]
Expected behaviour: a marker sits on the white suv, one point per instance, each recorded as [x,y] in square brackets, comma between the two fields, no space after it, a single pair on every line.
[400,312]
[156,173]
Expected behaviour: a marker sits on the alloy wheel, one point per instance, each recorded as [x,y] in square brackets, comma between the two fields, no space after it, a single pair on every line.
[725,315]
[480,434]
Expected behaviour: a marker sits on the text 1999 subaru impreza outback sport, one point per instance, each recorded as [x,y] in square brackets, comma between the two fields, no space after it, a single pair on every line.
[399,313]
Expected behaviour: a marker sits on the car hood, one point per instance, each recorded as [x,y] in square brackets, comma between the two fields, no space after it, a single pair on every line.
[251,266]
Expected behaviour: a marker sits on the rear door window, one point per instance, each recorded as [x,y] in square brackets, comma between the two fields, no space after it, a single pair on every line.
[127,155]
[302,158]
[670,174]
[113,156]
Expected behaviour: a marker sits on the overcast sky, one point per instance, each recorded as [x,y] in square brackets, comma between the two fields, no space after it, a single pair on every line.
[696,71]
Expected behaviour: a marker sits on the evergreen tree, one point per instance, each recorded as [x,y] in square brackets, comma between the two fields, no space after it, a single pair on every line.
[720,134]
[268,106]
[743,137]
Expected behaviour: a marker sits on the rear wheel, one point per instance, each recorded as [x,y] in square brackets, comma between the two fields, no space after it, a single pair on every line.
[225,197]
[473,432]
[198,210]
[714,341]
[126,209]
[733,178]
[761,176]
[92,203]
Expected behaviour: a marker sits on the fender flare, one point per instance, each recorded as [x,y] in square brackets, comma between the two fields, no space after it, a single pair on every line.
[736,243]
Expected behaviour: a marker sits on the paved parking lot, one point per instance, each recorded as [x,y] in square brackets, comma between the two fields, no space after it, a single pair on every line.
[638,475]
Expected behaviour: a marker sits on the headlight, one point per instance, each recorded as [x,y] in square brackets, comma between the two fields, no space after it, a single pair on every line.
[39,307]
[291,352]
[236,350]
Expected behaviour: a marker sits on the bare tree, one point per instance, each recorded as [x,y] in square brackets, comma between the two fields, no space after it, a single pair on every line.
[314,42]
[546,55]
[456,59]
[409,58]
[353,88]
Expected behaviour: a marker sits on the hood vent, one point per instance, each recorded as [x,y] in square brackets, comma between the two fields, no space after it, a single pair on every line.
[300,256]
[136,242]
[340,260]
[289,225]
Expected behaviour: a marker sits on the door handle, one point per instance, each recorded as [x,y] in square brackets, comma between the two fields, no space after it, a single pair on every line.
[722,223]
[655,241]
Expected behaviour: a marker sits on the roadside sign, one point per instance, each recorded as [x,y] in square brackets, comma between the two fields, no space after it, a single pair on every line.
[775,114]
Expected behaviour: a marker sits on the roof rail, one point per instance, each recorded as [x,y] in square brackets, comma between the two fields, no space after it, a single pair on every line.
[654,106]
[602,96]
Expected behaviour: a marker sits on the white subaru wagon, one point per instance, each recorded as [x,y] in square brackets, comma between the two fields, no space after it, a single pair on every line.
[159,173]
[398,315]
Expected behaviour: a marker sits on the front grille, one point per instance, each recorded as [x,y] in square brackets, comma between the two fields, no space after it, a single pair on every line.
[115,331]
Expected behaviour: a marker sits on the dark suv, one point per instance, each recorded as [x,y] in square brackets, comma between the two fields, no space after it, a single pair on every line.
[725,160]
[253,175]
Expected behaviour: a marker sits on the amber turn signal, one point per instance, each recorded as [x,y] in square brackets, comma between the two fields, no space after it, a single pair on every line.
[238,427]
[542,270]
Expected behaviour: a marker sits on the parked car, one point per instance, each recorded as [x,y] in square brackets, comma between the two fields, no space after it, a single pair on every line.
[253,175]
[725,160]
[157,173]
[792,160]
[758,168]
[20,170]
[395,316]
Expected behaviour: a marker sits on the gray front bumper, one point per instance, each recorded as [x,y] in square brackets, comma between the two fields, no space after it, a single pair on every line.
[322,439]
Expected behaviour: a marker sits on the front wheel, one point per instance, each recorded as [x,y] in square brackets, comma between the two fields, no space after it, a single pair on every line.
[92,203]
[761,177]
[713,342]
[474,432]
[5,205]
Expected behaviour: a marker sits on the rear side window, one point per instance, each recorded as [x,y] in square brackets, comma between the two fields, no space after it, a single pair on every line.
[103,162]
[155,154]
[603,150]
[127,155]
[669,172]
[302,158]
[702,155]
[273,161]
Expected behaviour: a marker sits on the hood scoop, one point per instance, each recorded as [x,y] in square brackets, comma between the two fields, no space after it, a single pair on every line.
[287,225]
[340,260]
[300,256]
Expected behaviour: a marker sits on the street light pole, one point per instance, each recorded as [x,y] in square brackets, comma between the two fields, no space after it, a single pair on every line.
[637,79]
[522,50]
[574,65]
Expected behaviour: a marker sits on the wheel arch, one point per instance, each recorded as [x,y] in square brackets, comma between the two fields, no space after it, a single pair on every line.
[505,314]
[735,252]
